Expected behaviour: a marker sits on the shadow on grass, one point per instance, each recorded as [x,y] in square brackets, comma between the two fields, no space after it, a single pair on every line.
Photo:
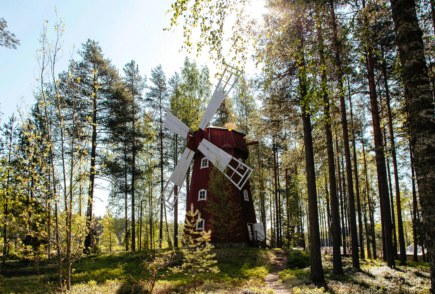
[237,265]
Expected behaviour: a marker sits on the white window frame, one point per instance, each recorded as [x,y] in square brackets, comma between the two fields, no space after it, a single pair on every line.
[245,195]
[203,224]
[199,195]
[206,160]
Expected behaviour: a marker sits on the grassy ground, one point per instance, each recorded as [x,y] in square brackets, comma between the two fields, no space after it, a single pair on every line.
[242,270]
[375,277]
[121,273]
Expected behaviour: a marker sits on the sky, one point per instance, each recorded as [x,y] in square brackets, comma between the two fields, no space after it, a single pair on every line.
[126,30]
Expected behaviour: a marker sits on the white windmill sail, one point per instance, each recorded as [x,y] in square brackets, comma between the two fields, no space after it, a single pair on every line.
[175,125]
[215,102]
[181,168]
[217,156]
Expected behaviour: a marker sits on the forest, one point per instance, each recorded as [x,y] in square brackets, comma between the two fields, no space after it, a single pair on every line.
[340,110]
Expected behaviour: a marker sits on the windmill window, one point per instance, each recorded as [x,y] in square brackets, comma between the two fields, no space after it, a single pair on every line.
[200,225]
[246,195]
[202,195]
[204,163]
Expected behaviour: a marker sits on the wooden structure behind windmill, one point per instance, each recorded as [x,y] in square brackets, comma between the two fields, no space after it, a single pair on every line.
[227,151]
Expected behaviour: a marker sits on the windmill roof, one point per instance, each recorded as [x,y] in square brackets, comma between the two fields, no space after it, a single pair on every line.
[223,128]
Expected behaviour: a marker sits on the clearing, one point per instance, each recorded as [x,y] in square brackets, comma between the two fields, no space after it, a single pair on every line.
[242,270]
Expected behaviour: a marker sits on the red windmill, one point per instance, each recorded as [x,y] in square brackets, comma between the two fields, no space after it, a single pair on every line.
[226,150]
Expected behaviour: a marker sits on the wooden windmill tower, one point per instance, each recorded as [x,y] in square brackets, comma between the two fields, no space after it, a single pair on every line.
[226,150]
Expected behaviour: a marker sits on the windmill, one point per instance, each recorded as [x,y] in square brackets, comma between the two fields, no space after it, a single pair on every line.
[199,143]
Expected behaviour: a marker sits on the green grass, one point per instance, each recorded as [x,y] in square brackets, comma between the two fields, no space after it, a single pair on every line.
[242,269]
[118,272]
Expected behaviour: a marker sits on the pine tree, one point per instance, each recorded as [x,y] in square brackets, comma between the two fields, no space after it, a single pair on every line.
[117,162]
[135,85]
[98,78]
[196,251]
[157,99]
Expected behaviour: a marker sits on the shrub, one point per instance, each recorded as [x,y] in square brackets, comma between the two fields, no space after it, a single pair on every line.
[298,259]
[15,256]
[289,275]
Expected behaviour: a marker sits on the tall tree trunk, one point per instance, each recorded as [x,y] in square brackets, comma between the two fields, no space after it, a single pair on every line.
[420,107]
[176,197]
[343,234]
[358,201]
[262,194]
[335,217]
[369,207]
[328,210]
[133,174]
[151,216]
[126,203]
[369,253]
[316,275]
[414,204]
[90,237]
[161,183]
[380,161]
[288,209]
[276,193]
[352,216]
[395,169]
[58,247]
[140,226]
[390,188]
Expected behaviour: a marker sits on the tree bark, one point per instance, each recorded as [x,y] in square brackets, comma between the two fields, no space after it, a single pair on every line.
[317,276]
[161,182]
[90,237]
[133,173]
[420,108]
[276,193]
[176,197]
[126,203]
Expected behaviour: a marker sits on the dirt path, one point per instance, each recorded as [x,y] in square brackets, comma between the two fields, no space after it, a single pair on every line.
[279,263]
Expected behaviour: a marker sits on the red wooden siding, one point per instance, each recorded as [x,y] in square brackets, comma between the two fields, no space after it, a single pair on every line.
[222,137]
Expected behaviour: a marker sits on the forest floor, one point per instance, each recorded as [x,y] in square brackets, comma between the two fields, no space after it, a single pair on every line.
[242,270]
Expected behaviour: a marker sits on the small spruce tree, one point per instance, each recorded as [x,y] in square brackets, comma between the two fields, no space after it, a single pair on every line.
[196,250]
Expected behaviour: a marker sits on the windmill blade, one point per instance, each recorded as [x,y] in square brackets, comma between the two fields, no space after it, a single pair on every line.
[180,170]
[217,156]
[175,125]
[215,102]
[236,171]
